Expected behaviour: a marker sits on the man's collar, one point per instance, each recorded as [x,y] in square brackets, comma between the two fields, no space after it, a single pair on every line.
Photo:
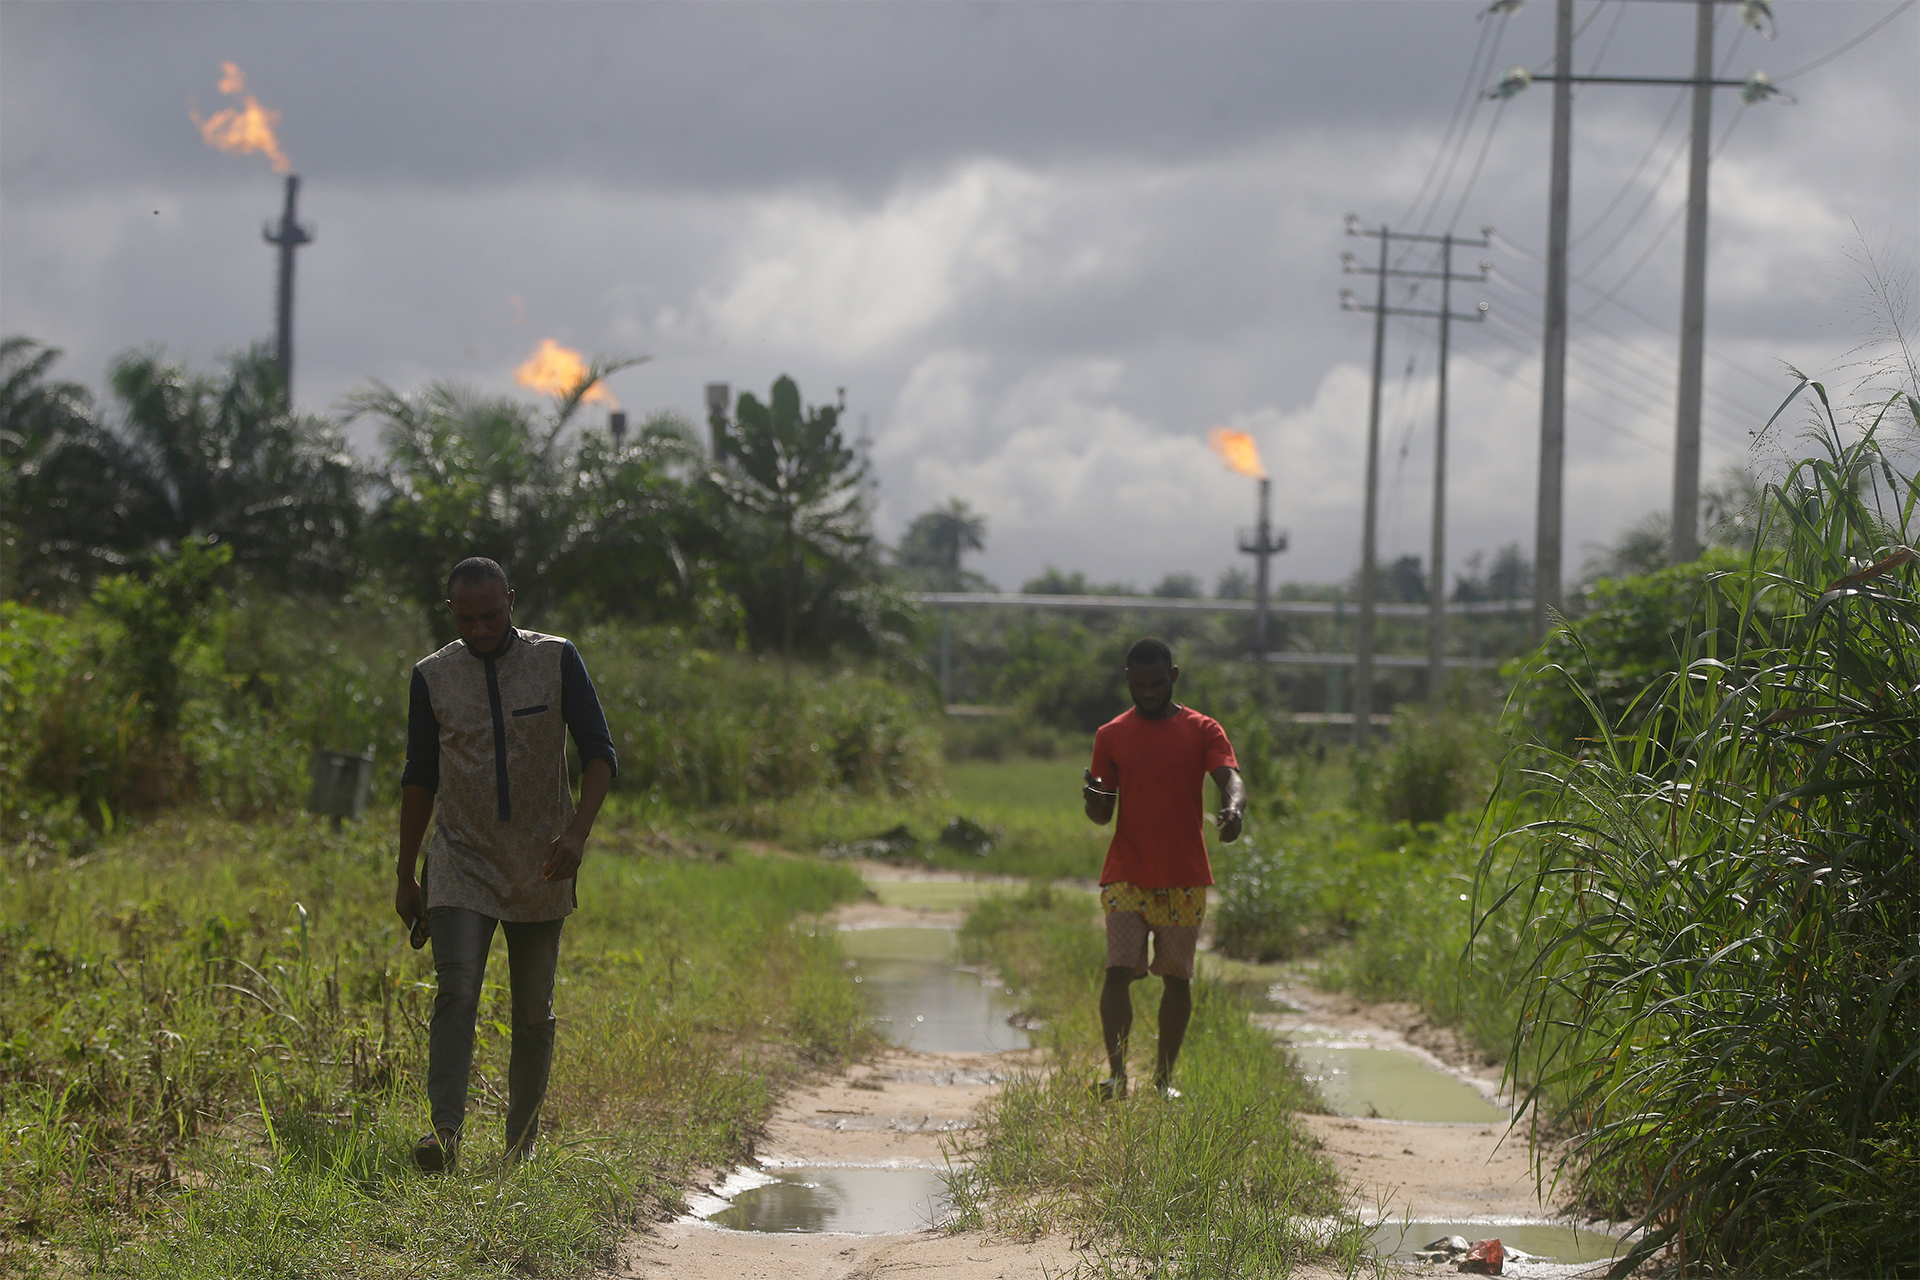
[506,643]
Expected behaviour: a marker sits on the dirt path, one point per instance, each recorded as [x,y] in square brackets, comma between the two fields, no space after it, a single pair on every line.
[895,1112]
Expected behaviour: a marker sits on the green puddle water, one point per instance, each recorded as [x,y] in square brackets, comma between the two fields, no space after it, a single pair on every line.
[1546,1241]
[921,1001]
[1392,1085]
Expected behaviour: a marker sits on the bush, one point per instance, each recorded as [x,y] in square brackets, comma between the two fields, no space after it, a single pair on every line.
[1725,1001]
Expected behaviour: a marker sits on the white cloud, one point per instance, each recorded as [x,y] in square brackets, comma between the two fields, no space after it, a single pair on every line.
[815,275]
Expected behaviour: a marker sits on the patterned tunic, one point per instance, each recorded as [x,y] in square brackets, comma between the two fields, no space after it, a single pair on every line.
[487,735]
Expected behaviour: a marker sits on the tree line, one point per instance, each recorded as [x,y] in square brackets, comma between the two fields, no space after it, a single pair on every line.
[772,540]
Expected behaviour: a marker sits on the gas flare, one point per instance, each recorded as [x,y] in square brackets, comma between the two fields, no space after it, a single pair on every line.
[557,370]
[1239,450]
[247,127]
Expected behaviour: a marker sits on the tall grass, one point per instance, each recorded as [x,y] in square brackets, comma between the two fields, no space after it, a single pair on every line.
[212,1046]
[1723,1005]
[260,684]
[1221,1183]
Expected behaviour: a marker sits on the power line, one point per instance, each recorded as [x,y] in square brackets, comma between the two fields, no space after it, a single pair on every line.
[1467,91]
[1665,230]
[1848,47]
[1653,321]
[1493,127]
[1663,369]
[1654,189]
[1631,184]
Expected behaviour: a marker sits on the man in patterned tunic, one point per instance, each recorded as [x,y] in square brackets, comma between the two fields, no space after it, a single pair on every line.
[487,719]
[1153,761]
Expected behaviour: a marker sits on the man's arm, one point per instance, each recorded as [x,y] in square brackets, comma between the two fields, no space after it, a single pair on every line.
[1233,801]
[418,783]
[416,811]
[566,849]
[580,708]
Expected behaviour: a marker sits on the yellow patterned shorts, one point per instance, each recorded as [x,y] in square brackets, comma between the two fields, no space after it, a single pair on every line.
[1169,917]
[1160,908]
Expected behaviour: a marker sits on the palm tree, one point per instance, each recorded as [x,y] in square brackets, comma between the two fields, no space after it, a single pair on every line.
[192,457]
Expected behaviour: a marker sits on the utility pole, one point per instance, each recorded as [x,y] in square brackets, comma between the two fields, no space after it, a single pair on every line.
[1549,521]
[1756,87]
[1436,557]
[1369,565]
[289,236]
[1693,302]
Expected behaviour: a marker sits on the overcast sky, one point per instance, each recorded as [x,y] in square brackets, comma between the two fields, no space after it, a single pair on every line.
[1043,247]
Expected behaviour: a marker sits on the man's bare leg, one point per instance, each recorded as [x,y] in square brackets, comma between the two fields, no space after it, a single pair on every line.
[1176,1009]
[1116,1017]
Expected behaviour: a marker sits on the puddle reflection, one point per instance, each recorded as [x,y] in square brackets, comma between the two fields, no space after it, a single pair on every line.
[856,1201]
[921,1000]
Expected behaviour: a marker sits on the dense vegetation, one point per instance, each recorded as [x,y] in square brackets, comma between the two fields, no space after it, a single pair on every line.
[1723,881]
[213,1038]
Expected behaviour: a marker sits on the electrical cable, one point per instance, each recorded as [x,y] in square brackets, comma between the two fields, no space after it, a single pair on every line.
[1494,233]
[1654,190]
[1619,12]
[1848,47]
[1627,187]
[1665,231]
[1533,388]
[1664,370]
[1474,76]
[1466,131]
[1493,127]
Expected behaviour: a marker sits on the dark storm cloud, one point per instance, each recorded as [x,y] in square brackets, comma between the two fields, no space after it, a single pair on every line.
[1043,246]
[709,96]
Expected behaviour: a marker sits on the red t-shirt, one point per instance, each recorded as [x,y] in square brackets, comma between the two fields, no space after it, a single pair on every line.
[1158,767]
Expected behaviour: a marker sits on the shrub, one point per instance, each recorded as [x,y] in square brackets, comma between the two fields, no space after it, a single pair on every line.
[1726,999]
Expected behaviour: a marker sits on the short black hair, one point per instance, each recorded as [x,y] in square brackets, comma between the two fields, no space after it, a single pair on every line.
[476,569]
[1149,652]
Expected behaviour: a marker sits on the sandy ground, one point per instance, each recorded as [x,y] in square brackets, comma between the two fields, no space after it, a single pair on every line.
[905,1109]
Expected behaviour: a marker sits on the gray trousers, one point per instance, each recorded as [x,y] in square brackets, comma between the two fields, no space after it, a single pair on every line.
[461,940]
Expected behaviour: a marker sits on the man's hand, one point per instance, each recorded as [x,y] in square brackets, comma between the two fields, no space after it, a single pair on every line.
[563,856]
[1097,799]
[406,900]
[1233,802]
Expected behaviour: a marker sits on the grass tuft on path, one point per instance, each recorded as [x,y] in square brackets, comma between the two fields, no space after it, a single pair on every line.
[1223,1182]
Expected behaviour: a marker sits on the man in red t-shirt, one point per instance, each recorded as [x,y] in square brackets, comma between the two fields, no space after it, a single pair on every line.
[1154,760]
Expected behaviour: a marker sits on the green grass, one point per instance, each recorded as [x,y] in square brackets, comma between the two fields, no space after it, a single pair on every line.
[1222,1183]
[212,1044]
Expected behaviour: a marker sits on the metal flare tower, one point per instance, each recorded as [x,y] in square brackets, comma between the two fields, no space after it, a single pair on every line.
[289,235]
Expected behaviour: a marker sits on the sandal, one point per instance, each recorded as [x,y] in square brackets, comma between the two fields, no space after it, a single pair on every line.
[1112,1089]
[437,1152]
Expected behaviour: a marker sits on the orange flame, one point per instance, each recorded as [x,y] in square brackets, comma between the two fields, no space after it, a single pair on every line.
[1239,450]
[557,370]
[248,127]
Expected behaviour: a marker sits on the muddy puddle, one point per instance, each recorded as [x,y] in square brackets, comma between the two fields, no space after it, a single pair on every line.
[1355,1078]
[850,1201]
[1541,1241]
[920,1000]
